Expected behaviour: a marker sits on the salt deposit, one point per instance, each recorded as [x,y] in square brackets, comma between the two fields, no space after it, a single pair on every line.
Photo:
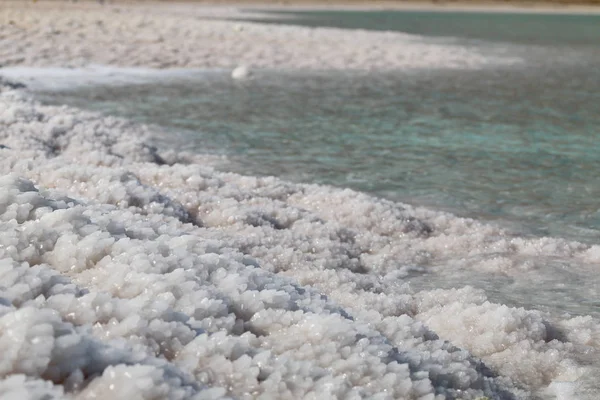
[76,35]
[129,271]
[124,264]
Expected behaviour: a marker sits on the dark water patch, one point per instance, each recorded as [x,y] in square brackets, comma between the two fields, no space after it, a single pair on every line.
[522,28]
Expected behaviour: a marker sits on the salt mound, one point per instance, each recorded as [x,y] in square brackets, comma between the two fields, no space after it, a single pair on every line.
[126,272]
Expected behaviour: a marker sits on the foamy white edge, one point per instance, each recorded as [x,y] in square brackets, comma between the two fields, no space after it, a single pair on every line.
[57,78]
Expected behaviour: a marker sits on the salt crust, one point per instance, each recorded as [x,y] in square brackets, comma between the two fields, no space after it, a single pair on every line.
[126,272]
[76,35]
[129,272]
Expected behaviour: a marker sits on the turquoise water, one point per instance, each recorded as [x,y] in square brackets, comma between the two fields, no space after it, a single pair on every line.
[526,28]
[511,146]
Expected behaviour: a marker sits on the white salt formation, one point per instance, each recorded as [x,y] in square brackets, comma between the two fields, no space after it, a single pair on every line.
[167,36]
[126,272]
[241,72]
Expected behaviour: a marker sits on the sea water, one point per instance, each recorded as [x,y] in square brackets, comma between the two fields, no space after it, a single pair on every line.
[515,146]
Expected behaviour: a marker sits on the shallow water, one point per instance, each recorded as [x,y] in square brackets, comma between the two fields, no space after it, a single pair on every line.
[501,145]
[513,145]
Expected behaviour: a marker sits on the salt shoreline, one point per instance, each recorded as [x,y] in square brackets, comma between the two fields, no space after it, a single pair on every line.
[424,5]
[451,6]
[182,36]
[129,271]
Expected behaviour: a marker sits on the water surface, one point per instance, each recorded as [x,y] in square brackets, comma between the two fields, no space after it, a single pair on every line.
[509,145]
[526,28]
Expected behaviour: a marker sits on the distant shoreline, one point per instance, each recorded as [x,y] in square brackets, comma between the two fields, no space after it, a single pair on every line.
[425,5]
[192,35]
[558,6]
[508,6]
